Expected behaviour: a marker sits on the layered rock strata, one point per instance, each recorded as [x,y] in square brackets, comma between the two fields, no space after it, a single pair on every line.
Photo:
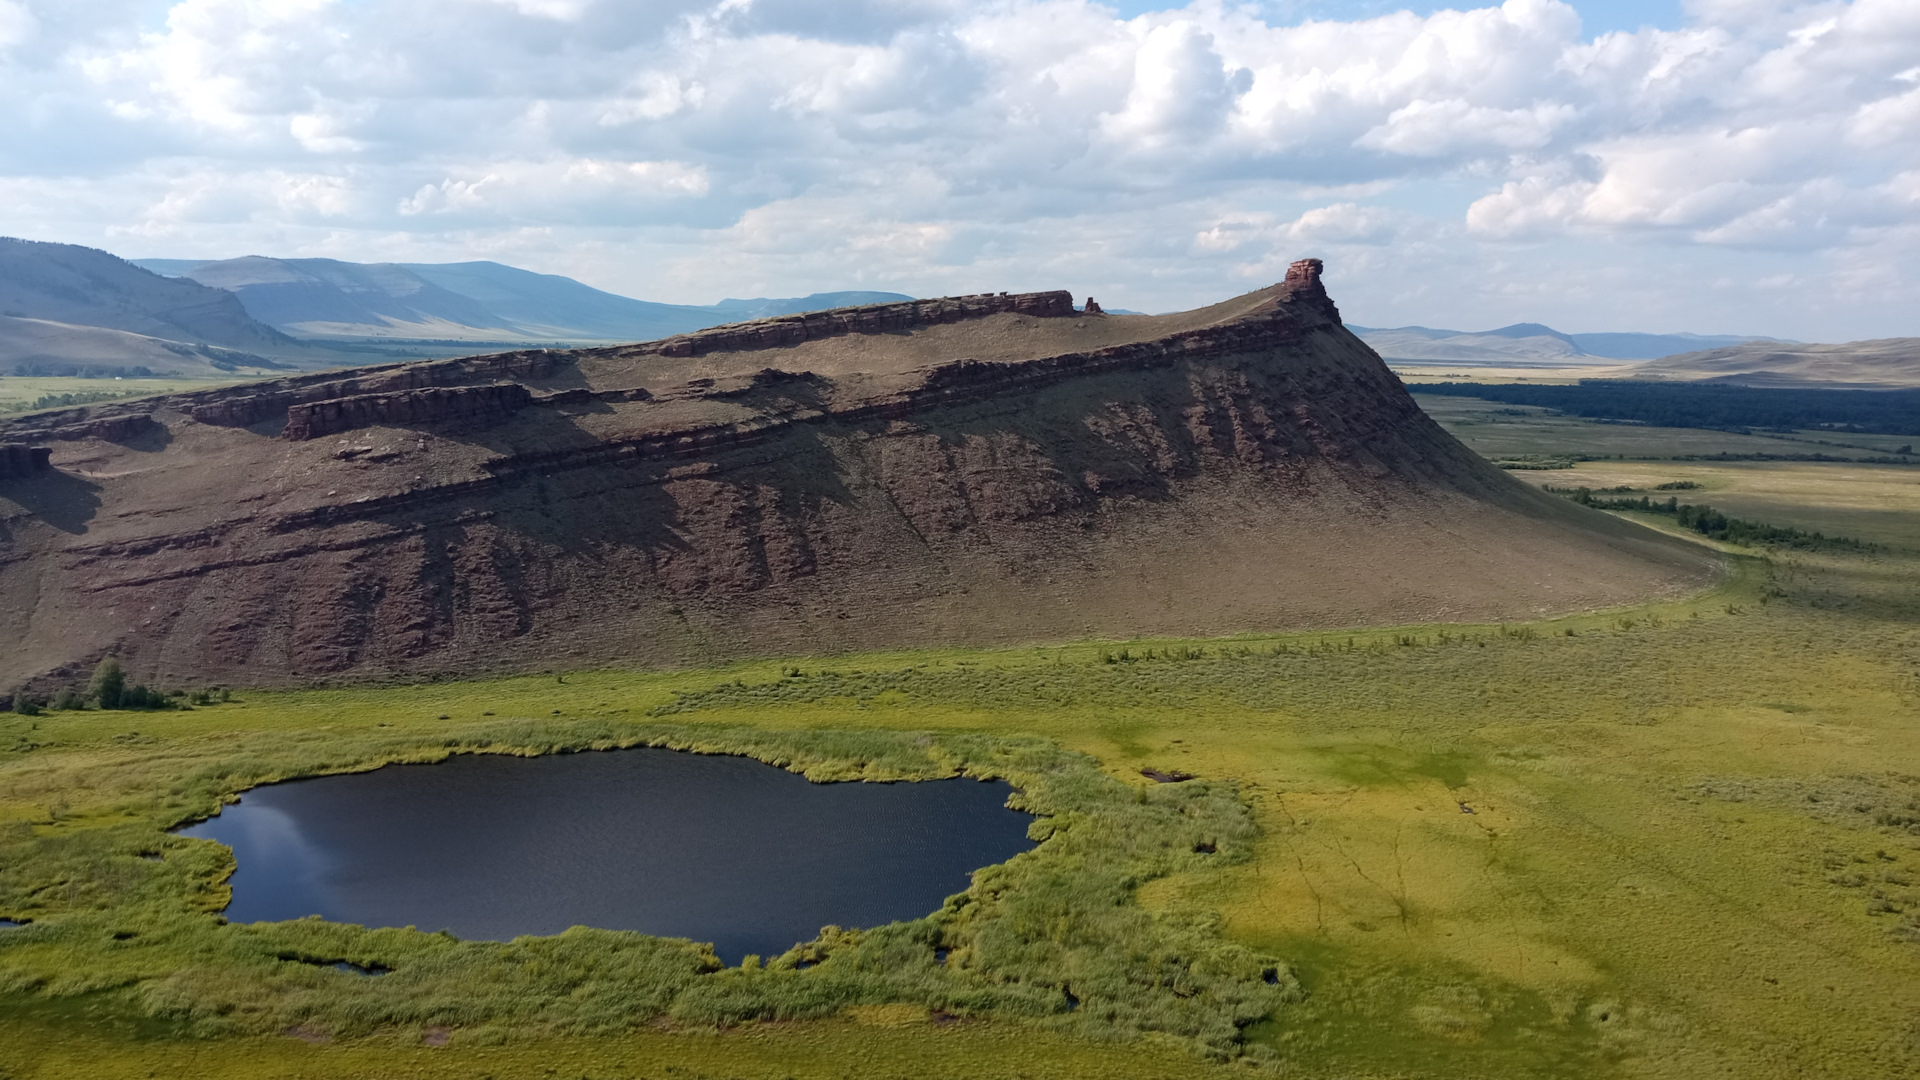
[474,406]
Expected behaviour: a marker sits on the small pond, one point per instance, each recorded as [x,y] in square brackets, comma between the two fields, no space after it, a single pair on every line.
[723,849]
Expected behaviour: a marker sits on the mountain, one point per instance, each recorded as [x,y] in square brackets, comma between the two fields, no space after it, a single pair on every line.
[1653,346]
[70,309]
[1882,363]
[478,302]
[1523,342]
[44,347]
[763,308]
[972,470]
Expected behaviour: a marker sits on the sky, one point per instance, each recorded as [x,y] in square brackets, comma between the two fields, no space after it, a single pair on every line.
[1713,166]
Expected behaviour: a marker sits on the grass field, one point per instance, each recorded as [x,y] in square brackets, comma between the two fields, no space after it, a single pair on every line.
[1501,431]
[1679,840]
[19,392]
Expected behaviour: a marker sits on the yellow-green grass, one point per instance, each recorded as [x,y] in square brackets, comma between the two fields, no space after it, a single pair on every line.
[1498,431]
[67,1047]
[1415,372]
[1691,850]
[1877,503]
[21,391]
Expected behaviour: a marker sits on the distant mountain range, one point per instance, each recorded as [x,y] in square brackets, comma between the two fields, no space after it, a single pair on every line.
[1532,342]
[71,310]
[1880,364]
[324,300]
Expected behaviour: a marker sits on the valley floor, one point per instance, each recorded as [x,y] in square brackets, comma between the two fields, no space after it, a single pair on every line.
[1679,840]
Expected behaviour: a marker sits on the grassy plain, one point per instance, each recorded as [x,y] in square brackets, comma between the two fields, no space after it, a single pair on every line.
[1496,430]
[1679,840]
[19,392]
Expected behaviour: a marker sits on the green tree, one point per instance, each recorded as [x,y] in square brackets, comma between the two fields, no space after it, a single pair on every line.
[109,683]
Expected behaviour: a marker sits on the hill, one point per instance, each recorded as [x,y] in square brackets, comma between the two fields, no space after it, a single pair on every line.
[478,302]
[982,469]
[1883,363]
[1530,343]
[70,309]
[44,347]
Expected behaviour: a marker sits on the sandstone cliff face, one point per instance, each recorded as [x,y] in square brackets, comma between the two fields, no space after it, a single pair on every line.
[980,469]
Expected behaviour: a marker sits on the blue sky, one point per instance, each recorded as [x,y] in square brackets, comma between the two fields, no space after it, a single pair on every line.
[1722,166]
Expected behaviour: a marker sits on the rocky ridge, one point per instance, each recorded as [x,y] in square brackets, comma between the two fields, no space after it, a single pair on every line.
[974,469]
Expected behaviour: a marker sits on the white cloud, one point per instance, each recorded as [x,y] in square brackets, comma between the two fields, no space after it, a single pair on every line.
[685,145]
[1430,128]
[1181,91]
[560,188]
[564,10]
[16,23]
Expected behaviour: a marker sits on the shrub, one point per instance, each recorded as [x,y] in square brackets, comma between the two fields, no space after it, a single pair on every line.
[108,684]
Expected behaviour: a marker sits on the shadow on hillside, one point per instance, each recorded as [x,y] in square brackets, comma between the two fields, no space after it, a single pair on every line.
[152,439]
[62,500]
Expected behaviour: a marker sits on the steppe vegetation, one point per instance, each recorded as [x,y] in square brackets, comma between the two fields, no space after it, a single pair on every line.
[1506,432]
[1707,404]
[26,393]
[1675,840]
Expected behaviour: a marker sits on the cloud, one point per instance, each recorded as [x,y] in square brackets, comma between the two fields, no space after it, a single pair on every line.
[1181,91]
[16,23]
[1430,128]
[933,145]
[575,189]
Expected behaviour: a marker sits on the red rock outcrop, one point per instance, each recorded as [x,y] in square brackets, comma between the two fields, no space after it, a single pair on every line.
[469,406]
[70,425]
[875,319]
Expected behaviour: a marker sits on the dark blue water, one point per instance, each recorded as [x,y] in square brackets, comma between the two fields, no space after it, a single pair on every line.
[724,849]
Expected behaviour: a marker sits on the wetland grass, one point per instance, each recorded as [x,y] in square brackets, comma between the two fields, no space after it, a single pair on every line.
[1677,840]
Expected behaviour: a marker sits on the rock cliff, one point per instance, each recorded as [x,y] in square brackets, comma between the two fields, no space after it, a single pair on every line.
[19,460]
[984,469]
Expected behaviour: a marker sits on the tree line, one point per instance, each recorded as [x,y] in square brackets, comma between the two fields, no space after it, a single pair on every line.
[1713,524]
[109,689]
[1717,406]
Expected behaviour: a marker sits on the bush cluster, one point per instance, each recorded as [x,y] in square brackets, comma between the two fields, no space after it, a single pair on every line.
[1715,525]
[108,689]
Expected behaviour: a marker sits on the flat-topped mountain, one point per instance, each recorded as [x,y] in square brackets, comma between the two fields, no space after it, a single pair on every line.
[66,309]
[325,300]
[979,469]
[1524,343]
[1879,364]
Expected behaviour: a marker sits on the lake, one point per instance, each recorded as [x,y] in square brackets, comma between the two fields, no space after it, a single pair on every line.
[724,849]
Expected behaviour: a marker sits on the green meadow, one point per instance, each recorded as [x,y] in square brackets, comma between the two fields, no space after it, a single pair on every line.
[26,393]
[1675,840]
